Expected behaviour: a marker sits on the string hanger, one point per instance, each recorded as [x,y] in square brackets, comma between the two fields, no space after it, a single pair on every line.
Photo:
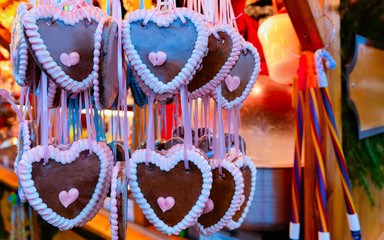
[77,4]
[158,8]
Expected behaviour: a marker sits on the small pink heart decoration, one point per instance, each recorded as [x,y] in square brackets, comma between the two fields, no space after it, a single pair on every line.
[166,204]
[157,59]
[66,198]
[209,206]
[232,83]
[70,60]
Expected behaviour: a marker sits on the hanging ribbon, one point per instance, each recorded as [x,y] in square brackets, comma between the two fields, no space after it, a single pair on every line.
[186,123]
[151,133]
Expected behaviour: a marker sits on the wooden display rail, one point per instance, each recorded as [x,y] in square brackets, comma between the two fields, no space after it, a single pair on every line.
[99,225]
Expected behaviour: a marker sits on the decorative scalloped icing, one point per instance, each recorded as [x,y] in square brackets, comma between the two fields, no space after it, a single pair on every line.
[228,65]
[19,48]
[239,100]
[164,19]
[42,55]
[117,188]
[166,163]
[64,157]
[236,199]
[240,163]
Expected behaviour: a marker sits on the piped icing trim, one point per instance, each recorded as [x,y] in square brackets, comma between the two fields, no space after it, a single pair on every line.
[98,35]
[43,55]
[25,139]
[21,55]
[116,188]
[244,161]
[164,20]
[235,202]
[147,91]
[239,101]
[67,156]
[237,45]
[52,91]
[166,163]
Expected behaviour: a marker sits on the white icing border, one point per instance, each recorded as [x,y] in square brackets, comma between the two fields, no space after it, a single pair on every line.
[67,156]
[52,90]
[235,202]
[166,163]
[21,74]
[237,46]
[42,54]
[98,35]
[164,20]
[113,218]
[239,101]
[25,135]
[241,162]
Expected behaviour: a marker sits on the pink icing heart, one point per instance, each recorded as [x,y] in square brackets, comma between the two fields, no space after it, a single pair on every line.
[232,83]
[166,204]
[66,198]
[157,59]
[208,206]
[70,60]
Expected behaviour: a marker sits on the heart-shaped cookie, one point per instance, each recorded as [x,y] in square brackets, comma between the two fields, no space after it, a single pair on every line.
[24,68]
[28,138]
[106,86]
[223,53]
[248,169]
[226,194]
[246,70]
[166,177]
[118,202]
[73,35]
[43,183]
[180,33]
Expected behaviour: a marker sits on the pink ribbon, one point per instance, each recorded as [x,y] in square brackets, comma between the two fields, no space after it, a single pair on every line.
[186,123]
[89,127]
[5,94]
[44,119]
[150,127]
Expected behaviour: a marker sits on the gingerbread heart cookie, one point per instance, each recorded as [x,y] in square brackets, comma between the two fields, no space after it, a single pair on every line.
[179,39]
[248,169]
[24,68]
[118,202]
[59,190]
[106,86]
[225,198]
[224,48]
[170,196]
[28,138]
[66,45]
[240,81]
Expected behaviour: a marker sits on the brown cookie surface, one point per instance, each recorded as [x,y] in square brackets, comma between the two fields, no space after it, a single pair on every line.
[177,41]
[243,70]
[52,178]
[247,176]
[108,73]
[183,185]
[219,51]
[223,189]
[62,38]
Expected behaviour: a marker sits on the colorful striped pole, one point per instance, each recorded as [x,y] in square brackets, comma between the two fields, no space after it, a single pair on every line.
[352,216]
[321,193]
[294,226]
